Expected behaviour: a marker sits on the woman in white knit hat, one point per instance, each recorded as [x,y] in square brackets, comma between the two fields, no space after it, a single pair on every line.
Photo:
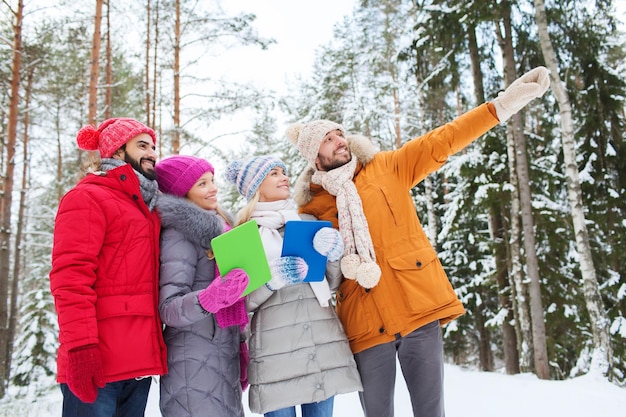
[299,353]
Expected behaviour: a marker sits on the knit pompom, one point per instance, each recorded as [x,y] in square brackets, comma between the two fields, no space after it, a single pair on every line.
[232,171]
[349,265]
[87,138]
[293,132]
[368,274]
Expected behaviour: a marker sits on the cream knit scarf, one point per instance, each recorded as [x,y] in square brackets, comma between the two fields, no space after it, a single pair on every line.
[359,261]
[271,216]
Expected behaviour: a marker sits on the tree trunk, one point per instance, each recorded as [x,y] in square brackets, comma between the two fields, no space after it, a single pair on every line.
[17,256]
[176,138]
[108,92]
[603,355]
[505,292]
[6,199]
[396,114]
[521,165]
[514,260]
[147,66]
[95,66]
[156,78]
[477,74]
[91,156]
[509,339]
[524,332]
[431,230]
[485,355]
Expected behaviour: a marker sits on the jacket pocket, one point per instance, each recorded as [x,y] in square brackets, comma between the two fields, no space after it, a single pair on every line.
[352,311]
[422,278]
[388,194]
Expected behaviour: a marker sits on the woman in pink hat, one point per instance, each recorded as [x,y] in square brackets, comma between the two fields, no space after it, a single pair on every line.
[203,313]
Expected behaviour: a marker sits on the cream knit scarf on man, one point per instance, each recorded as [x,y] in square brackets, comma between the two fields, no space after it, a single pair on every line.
[271,216]
[359,261]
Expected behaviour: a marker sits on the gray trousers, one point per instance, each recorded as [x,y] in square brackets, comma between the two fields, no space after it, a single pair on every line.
[420,354]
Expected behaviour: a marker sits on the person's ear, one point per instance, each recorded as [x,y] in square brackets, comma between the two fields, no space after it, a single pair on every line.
[119,154]
[317,163]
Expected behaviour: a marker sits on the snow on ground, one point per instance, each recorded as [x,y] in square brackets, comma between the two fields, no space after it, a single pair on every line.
[468,394]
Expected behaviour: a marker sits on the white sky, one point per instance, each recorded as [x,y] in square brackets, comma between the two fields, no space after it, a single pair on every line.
[299,27]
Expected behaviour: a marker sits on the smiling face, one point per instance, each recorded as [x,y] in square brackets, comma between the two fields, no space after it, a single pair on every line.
[334,151]
[140,153]
[203,193]
[275,186]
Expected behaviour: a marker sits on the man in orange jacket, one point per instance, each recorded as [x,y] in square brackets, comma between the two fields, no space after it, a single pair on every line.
[395,295]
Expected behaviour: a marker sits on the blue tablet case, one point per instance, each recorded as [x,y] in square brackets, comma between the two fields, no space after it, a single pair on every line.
[298,241]
[242,248]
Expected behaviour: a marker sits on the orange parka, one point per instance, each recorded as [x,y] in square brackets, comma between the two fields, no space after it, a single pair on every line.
[414,289]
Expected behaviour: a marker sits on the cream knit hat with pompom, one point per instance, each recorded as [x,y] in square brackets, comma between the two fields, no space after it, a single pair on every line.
[308,137]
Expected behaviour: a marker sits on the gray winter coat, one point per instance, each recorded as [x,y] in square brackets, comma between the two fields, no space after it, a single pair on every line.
[203,358]
[299,352]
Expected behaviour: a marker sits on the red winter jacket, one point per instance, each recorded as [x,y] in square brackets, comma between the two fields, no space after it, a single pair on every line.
[104,277]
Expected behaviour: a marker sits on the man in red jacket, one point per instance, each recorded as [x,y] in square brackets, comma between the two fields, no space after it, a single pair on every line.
[104,276]
[396,294]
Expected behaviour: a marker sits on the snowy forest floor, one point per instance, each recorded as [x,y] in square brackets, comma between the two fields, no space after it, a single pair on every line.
[468,394]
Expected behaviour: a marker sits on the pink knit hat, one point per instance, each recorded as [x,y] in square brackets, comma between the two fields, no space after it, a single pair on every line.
[111,135]
[177,174]
[308,137]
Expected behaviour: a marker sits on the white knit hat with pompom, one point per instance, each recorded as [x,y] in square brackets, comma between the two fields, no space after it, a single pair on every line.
[308,137]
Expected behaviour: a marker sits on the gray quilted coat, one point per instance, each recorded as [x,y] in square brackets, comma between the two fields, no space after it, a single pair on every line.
[203,358]
[299,352]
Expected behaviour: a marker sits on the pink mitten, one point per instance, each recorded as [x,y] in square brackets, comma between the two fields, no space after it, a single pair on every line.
[233,315]
[223,292]
[84,372]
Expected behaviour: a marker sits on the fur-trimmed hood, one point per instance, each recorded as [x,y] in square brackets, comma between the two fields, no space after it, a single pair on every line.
[360,146]
[195,223]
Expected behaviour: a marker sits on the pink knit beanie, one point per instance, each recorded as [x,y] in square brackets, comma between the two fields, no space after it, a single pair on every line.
[111,135]
[308,137]
[177,174]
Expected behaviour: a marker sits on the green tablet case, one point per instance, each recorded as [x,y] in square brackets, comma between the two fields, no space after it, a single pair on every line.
[241,247]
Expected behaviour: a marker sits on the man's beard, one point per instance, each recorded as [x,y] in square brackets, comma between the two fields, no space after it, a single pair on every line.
[151,175]
[328,164]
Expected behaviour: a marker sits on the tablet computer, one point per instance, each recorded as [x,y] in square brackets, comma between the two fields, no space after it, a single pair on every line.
[241,247]
[298,241]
